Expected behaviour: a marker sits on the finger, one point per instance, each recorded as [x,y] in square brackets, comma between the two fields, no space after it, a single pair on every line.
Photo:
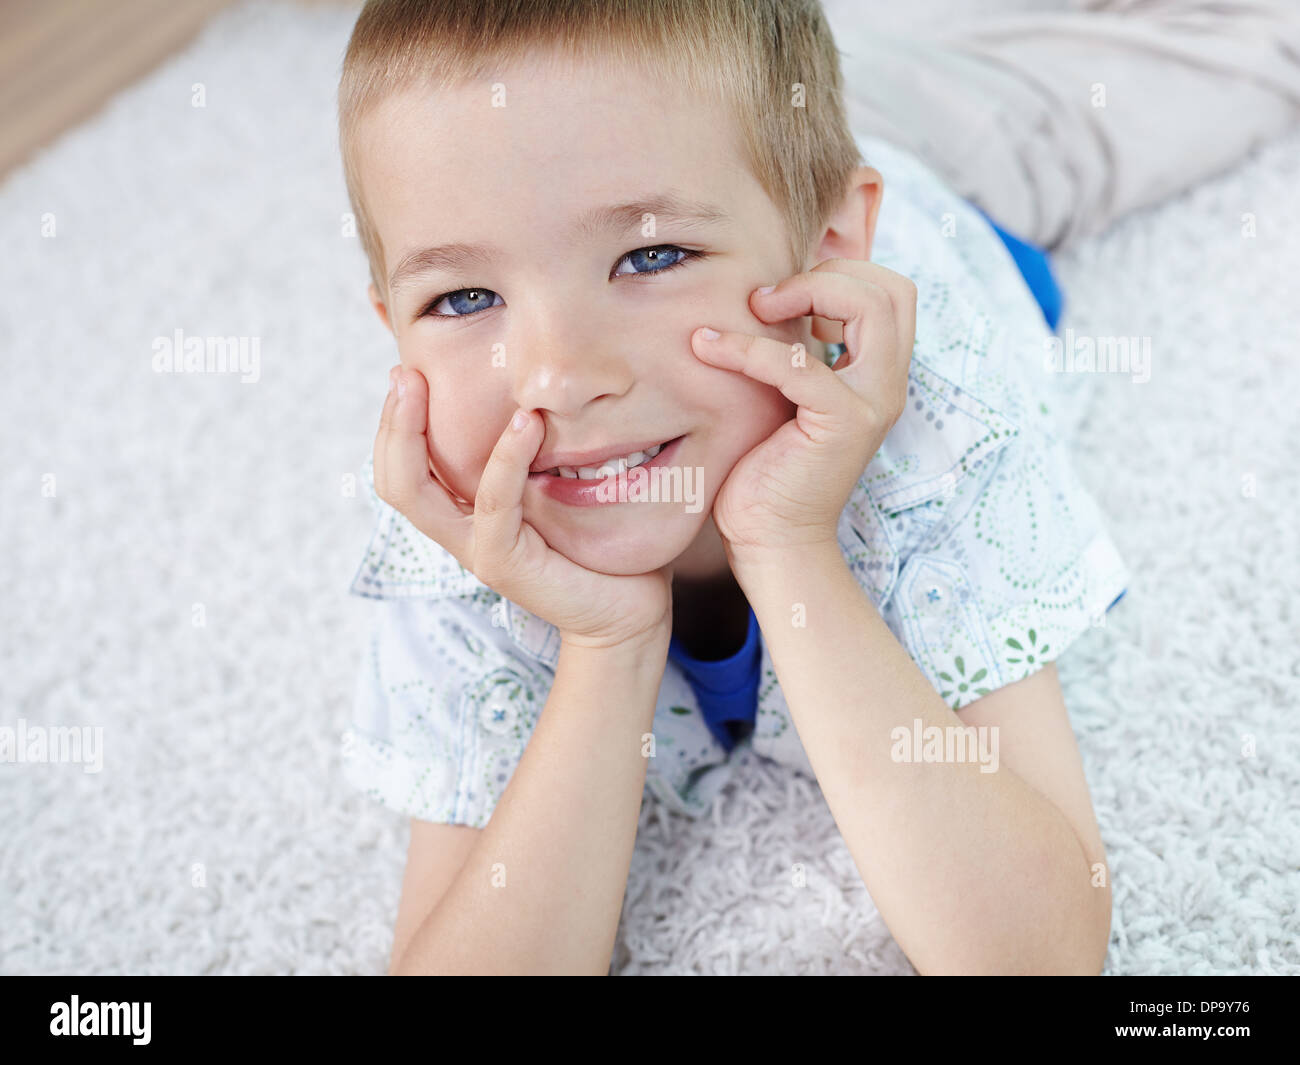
[804,380]
[901,290]
[905,306]
[865,270]
[872,338]
[499,500]
[381,437]
[409,487]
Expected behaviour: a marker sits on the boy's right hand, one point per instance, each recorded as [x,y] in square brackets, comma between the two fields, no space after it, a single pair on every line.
[491,539]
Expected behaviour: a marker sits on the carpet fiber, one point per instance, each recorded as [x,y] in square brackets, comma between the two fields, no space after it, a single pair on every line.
[177,548]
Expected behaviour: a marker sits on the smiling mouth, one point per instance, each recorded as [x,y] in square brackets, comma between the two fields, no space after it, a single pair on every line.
[607,468]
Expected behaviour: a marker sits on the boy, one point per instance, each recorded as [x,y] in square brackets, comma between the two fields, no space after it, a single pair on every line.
[557,214]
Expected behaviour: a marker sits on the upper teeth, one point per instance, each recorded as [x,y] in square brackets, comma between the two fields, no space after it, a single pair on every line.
[607,468]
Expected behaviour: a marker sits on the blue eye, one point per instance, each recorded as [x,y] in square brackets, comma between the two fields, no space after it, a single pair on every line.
[464,301]
[657,259]
[654,260]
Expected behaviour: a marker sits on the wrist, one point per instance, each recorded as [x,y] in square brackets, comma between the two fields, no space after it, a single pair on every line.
[650,644]
[756,566]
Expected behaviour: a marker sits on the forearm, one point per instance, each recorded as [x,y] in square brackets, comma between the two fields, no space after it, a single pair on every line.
[973,872]
[543,888]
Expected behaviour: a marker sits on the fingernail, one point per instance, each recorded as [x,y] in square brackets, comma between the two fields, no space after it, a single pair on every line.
[401,385]
[518,421]
[709,334]
[392,378]
[766,289]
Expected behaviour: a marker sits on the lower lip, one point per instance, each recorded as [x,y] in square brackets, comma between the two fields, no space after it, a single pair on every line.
[579,493]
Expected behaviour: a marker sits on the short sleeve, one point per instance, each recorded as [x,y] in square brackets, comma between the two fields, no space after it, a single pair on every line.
[1003,575]
[443,709]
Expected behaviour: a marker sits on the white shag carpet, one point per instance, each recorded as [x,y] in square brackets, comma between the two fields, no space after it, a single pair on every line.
[219,836]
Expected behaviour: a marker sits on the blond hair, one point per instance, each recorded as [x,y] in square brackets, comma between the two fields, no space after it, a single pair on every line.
[774,62]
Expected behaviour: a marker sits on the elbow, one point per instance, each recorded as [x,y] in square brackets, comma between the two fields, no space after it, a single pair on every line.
[409,966]
[1080,951]
[1088,949]
[1089,962]
[1096,959]
[403,965]
[1102,900]
[1084,952]
[1085,963]
[402,968]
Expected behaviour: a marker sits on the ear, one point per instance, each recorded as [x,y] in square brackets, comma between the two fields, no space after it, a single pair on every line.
[849,235]
[378,305]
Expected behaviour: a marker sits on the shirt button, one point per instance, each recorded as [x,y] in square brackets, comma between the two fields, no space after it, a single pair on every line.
[931,593]
[498,714]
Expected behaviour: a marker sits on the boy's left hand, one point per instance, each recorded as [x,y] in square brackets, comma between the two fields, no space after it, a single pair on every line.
[789,491]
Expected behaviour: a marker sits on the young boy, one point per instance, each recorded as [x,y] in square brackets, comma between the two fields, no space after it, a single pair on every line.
[850,566]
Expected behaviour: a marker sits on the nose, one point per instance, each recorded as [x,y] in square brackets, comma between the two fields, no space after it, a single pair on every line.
[560,364]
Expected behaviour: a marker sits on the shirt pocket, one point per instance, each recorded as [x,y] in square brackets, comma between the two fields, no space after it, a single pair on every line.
[498,715]
[442,711]
[935,613]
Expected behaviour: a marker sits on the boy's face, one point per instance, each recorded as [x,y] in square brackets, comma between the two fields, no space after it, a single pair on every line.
[595,339]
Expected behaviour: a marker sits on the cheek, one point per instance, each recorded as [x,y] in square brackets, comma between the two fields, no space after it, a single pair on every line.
[724,304]
[466,418]
[746,412]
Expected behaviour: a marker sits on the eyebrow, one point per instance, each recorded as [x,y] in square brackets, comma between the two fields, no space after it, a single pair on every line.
[615,217]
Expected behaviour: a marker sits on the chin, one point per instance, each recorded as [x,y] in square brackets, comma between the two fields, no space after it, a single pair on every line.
[640,546]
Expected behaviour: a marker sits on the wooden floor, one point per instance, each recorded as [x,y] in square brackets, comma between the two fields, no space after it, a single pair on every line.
[60,60]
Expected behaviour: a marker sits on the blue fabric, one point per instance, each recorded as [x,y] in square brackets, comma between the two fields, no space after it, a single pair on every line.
[1037,272]
[727,689]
